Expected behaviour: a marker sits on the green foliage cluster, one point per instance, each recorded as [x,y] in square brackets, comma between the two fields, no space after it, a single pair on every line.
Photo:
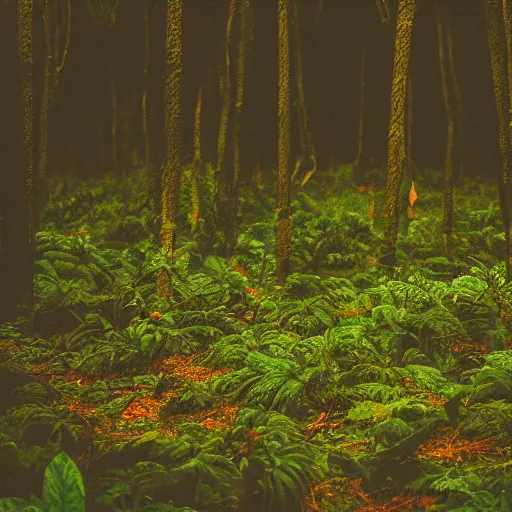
[343,373]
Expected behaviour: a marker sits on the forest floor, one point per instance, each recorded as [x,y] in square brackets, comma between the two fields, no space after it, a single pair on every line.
[356,386]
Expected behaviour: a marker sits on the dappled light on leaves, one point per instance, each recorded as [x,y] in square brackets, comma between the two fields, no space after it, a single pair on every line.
[220,418]
[341,490]
[183,366]
[435,400]
[9,346]
[477,348]
[450,448]
[145,407]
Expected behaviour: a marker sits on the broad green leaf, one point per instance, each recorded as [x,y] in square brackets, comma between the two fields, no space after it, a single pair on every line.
[63,488]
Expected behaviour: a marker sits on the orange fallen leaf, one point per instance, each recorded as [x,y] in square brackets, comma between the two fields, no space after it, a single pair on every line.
[371,211]
[412,195]
[306,177]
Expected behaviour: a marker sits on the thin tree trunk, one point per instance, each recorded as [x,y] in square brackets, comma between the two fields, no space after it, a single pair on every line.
[307,161]
[25,52]
[196,167]
[225,91]
[498,49]
[113,102]
[360,163]
[246,27]
[318,14]
[147,41]
[507,19]
[284,223]
[396,137]
[51,77]
[410,117]
[172,170]
[383,8]
[67,42]
[223,177]
[49,74]
[459,121]
[448,163]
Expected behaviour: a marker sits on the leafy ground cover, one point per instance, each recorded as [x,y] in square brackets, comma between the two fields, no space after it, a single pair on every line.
[355,387]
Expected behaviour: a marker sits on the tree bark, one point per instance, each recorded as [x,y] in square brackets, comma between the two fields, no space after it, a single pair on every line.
[396,136]
[459,119]
[284,223]
[497,48]
[306,164]
[172,169]
[224,177]
[361,160]
[25,21]
[246,32]
[196,167]
[441,23]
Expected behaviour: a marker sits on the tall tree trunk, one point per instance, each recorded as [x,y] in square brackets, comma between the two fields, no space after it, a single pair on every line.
[306,164]
[441,22]
[410,117]
[284,222]
[361,161]
[67,42]
[25,22]
[172,170]
[223,176]
[196,167]
[497,49]
[383,8]
[459,119]
[225,91]
[396,137]
[49,76]
[246,33]
[147,41]
[113,102]
[507,19]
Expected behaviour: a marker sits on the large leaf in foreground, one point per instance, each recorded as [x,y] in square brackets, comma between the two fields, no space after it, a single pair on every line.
[63,488]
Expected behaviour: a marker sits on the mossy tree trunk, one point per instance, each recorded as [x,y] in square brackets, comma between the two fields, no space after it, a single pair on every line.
[396,136]
[498,49]
[507,19]
[48,85]
[196,169]
[409,167]
[25,14]
[441,22]
[172,169]
[284,222]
